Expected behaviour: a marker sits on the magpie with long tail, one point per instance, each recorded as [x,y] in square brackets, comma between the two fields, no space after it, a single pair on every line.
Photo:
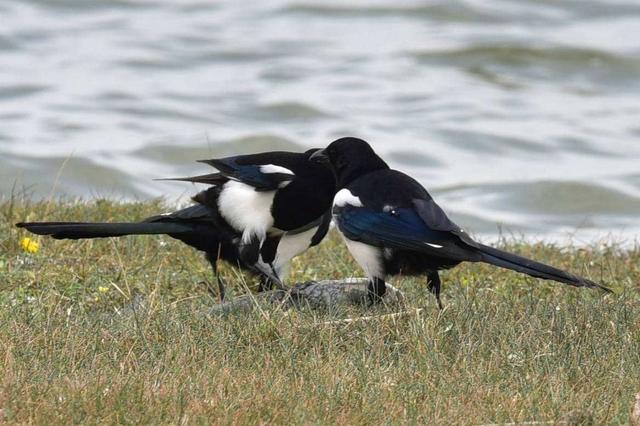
[260,212]
[391,225]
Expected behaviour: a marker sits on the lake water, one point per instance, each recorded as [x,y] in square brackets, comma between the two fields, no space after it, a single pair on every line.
[518,115]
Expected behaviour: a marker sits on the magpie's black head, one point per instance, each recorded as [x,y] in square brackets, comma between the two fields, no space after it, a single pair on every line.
[349,158]
[319,168]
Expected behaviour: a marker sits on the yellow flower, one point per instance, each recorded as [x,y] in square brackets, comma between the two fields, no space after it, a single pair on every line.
[102,289]
[29,245]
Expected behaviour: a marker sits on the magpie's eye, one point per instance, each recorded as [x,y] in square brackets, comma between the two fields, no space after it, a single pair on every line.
[394,212]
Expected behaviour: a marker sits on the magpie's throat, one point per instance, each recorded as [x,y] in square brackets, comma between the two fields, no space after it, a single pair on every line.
[350,172]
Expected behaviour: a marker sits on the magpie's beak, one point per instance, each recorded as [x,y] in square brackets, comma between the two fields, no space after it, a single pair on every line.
[320,156]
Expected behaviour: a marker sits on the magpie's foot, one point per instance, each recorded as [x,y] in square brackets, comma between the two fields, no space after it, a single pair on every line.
[434,286]
[373,299]
[268,284]
[265,286]
[212,292]
[440,305]
[376,290]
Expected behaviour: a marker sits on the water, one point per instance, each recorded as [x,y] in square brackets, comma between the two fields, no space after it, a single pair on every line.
[518,115]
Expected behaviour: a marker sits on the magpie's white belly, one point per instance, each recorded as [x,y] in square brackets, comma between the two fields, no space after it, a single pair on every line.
[246,210]
[290,246]
[368,257]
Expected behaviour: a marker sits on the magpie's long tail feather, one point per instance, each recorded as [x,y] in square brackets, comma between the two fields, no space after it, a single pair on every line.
[531,267]
[77,230]
[209,179]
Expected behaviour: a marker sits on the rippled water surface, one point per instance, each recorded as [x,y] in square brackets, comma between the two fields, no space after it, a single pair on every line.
[520,115]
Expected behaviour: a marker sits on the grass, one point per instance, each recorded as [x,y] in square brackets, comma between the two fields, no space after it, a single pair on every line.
[507,348]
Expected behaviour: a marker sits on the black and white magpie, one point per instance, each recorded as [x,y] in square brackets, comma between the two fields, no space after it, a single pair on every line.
[392,225]
[261,211]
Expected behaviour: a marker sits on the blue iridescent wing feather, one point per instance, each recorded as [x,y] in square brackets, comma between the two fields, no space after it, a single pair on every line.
[250,174]
[403,229]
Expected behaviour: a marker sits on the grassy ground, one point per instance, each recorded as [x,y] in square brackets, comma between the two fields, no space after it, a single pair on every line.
[506,349]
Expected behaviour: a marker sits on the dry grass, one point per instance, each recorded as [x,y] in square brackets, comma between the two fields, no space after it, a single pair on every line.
[506,349]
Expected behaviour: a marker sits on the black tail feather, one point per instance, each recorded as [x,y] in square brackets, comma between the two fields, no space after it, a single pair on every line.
[209,179]
[77,230]
[531,267]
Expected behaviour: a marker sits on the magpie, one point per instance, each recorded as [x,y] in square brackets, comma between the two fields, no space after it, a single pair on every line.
[391,225]
[260,211]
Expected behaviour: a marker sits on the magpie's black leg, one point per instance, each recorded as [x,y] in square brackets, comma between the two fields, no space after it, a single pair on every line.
[221,286]
[268,283]
[214,266]
[376,290]
[265,283]
[433,282]
[277,282]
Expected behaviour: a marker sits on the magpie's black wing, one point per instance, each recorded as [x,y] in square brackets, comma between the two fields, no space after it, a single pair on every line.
[267,171]
[401,228]
[260,171]
[433,216]
[323,228]
[322,224]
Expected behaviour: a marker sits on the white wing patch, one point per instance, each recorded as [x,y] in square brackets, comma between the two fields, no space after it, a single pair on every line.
[434,245]
[272,168]
[246,210]
[344,197]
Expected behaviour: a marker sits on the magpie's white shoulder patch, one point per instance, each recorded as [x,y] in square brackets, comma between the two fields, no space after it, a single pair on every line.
[434,245]
[272,168]
[344,197]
